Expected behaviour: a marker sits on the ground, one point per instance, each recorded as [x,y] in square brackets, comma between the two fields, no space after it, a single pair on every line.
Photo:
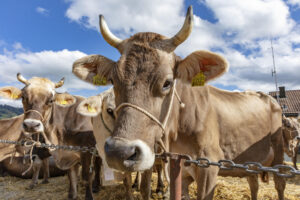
[12,188]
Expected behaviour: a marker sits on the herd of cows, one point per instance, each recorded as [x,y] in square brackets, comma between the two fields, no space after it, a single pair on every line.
[158,103]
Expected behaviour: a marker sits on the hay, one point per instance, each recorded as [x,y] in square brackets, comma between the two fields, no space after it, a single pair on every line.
[12,188]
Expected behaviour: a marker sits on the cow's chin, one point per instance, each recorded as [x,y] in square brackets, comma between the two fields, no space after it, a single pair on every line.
[144,159]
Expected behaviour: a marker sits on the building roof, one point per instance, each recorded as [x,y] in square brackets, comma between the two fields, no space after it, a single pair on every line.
[291,104]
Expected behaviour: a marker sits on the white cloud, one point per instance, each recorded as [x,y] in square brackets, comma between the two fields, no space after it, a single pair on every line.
[129,16]
[294,3]
[14,103]
[248,24]
[252,19]
[18,46]
[50,64]
[42,11]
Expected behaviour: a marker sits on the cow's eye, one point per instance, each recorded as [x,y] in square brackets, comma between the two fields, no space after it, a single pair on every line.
[110,112]
[167,85]
[50,101]
[24,99]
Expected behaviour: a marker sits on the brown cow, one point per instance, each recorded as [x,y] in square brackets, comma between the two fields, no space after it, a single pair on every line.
[20,163]
[291,134]
[11,129]
[101,109]
[55,115]
[214,123]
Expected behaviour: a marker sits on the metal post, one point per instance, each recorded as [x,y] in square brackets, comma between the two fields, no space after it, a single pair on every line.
[175,178]
[175,173]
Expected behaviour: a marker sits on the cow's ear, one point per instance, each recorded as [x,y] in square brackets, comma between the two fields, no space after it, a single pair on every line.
[200,67]
[64,100]
[91,106]
[94,69]
[10,92]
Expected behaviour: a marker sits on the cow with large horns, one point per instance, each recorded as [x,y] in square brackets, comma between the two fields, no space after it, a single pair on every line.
[151,86]
[53,116]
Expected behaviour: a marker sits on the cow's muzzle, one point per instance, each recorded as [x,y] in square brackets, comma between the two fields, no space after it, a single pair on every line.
[33,125]
[125,155]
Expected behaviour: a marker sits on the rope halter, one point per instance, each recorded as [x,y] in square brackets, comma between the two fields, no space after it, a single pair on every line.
[37,112]
[163,124]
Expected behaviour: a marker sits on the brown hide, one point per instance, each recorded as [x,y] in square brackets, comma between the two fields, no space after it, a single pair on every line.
[17,167]
[67,127]
[10,129]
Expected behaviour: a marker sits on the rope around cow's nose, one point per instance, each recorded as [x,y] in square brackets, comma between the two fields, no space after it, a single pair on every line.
[161,125]
[164,124]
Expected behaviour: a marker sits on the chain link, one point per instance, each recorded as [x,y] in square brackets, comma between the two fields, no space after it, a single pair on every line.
[281,170]
[84,149]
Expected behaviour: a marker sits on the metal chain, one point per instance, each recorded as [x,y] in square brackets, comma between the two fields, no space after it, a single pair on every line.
[281,170]
[84,149]
[286,171]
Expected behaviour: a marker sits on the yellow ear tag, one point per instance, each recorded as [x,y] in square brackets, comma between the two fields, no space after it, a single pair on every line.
[63,102]
[99,80]
[91,109]
[14,96]
[199,79]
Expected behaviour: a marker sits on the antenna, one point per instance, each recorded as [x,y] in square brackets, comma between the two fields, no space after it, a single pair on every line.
[274,72]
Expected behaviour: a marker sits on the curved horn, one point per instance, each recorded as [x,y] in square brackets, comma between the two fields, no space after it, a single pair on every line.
[60,83]
[107,35]
[185,31]
[22,79]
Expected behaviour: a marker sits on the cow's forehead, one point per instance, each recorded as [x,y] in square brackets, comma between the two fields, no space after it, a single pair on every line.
[40,85]
[143,61]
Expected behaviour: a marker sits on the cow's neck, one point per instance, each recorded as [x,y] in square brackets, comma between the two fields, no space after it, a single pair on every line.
[52,126]
[184,121]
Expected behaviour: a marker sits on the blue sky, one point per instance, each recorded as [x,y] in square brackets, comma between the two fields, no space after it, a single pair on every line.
[43,38]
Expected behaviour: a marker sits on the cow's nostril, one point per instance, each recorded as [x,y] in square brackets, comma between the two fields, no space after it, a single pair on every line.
[24,125]
[135,154]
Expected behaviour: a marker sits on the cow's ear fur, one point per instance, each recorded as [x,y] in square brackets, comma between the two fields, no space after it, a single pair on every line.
[10,92]
[94,69]
[64,100]
[210,64]
[90,107]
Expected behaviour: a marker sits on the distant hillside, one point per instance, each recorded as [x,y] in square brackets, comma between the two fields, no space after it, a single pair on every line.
[9,111]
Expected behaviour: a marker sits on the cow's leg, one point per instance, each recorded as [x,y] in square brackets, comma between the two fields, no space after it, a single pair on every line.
[146,184]
[186,181]
[128,186]
[46,170]
[280,186]
[73,177]
[97,182]
[206,179]
[253,184]
[277,141]
[87,176]
[37,164]
[160,183]
[137,181]
[295,157]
